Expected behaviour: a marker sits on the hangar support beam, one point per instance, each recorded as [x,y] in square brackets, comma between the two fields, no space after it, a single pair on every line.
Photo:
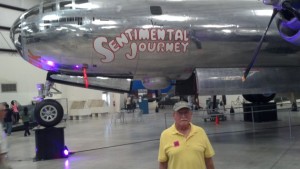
[12,7]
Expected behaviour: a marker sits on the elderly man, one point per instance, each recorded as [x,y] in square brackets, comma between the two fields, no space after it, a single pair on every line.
[184,145]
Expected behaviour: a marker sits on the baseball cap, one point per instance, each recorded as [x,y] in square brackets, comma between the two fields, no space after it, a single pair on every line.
[181,104]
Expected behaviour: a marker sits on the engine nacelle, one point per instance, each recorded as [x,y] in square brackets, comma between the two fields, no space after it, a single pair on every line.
[156,83]
[289,26]
[290,30]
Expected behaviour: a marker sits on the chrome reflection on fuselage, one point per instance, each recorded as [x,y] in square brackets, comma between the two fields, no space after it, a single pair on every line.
[122,39]
[16,35]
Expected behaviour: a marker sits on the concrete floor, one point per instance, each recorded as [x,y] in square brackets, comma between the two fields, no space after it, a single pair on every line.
[100,142]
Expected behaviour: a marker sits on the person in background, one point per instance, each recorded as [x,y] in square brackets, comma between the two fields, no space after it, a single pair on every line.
[3,142]
[128,103]
[184,145]
[25,119]
[14,107]
[8,119]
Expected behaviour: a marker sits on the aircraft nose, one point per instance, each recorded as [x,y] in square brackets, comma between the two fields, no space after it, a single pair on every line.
[15,35]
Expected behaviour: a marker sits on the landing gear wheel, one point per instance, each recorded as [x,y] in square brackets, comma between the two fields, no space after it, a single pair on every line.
[48,113]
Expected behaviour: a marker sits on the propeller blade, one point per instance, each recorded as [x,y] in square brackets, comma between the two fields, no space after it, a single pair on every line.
[256,52]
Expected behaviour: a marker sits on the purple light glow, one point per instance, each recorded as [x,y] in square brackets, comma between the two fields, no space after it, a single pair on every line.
[38,99]
[77,66]
[66,152]
[50,63]
[66,164]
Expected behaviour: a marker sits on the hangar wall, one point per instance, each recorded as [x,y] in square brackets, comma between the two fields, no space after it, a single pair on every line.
[15,70]
[77,93]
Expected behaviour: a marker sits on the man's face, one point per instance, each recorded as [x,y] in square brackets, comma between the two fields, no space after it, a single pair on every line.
[183,117]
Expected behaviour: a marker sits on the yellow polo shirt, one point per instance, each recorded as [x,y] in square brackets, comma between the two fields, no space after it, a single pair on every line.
[184,153]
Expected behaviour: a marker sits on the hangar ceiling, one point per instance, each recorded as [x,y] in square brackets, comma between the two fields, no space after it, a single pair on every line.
[9,11]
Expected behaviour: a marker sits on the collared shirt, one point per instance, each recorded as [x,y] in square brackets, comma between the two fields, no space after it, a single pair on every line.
[185,152]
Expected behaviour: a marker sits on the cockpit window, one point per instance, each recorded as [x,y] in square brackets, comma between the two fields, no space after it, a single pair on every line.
[49,7]
[33,12]
[81,1]
[65,5]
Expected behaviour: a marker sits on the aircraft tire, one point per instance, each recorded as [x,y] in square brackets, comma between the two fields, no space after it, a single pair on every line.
[259,98]
[48,113]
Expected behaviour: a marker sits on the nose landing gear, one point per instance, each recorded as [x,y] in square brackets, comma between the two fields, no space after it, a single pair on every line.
[48,112]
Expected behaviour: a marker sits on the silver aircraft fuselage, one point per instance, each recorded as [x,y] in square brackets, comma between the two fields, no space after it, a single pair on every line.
[149,38]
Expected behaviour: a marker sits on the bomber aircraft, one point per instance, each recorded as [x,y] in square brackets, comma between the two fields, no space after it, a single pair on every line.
[204,47]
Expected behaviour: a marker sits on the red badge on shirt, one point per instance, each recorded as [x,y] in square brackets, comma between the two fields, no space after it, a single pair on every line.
[176,143]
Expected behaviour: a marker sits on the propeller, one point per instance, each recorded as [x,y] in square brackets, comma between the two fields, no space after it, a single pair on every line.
[288,6]
[278,6]
[256,52]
